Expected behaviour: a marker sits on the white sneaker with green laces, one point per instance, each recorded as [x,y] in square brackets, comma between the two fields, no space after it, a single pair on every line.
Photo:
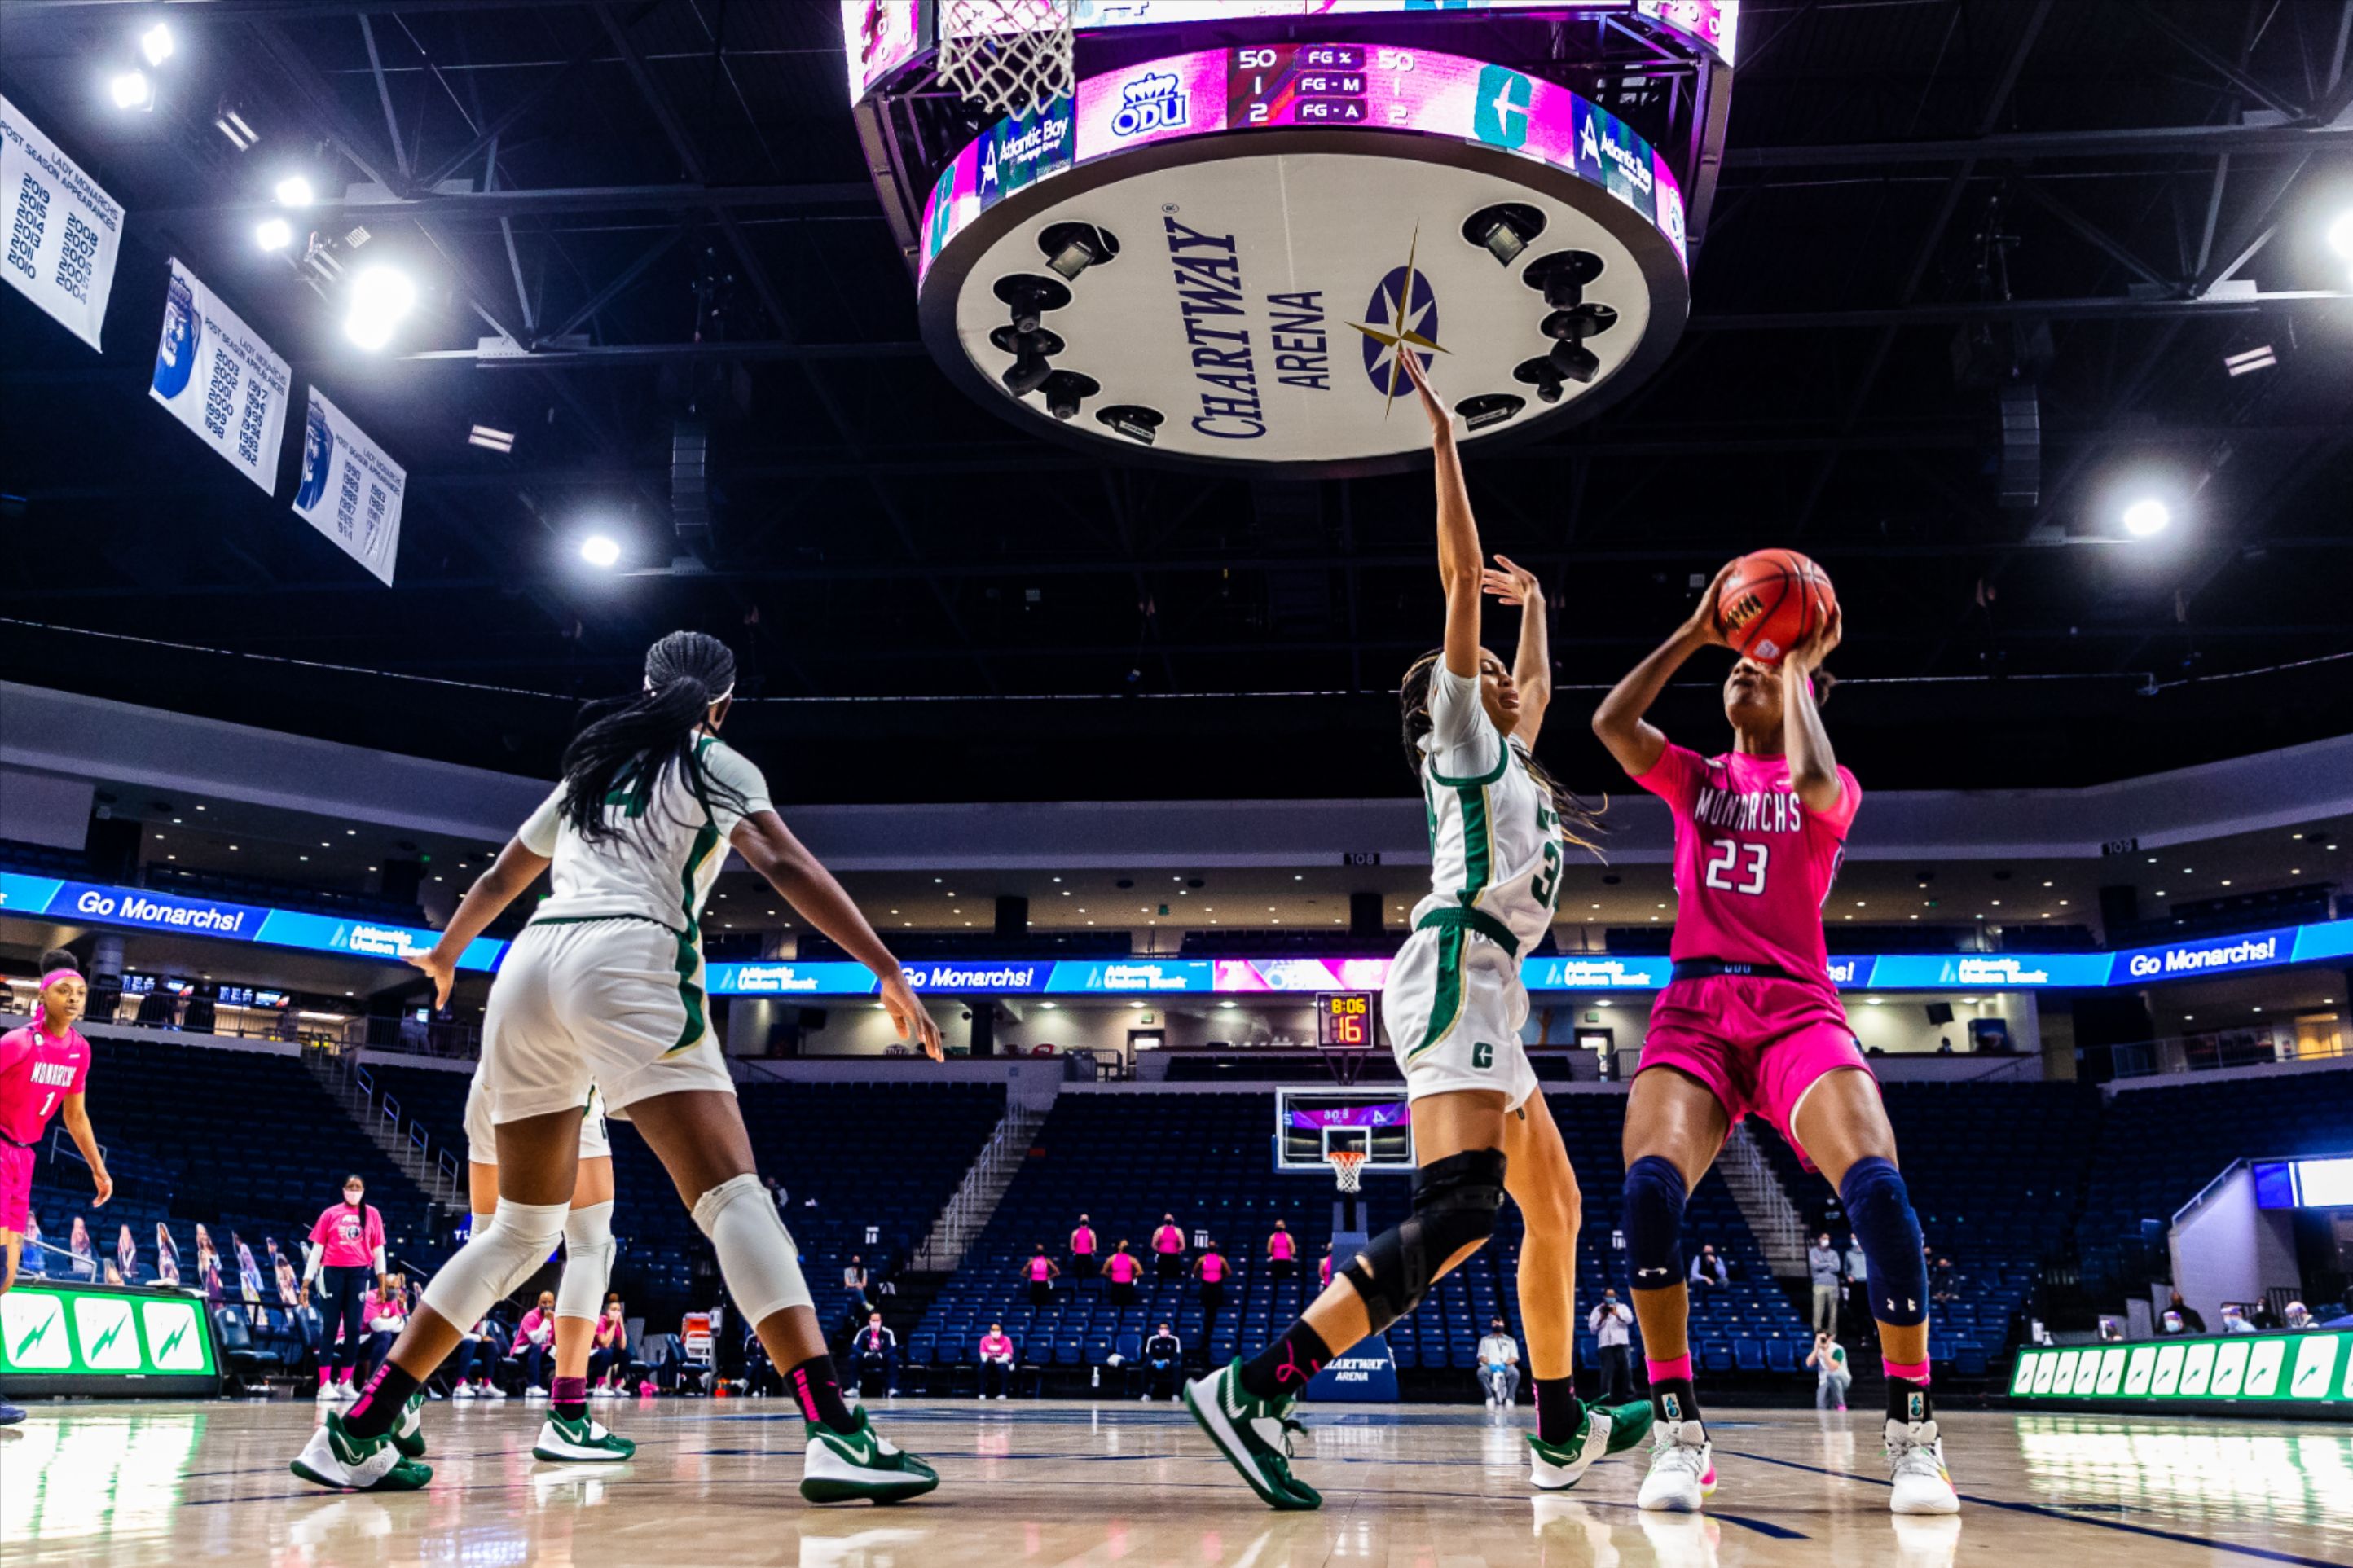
[585,1441]
[1915,1467]
[1606,1429]
[1682,1469]
[860,1466]
[1253,1434]
[336,1460]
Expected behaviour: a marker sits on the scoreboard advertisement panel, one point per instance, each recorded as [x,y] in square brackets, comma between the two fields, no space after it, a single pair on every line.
[2246,1373]
[111,1342]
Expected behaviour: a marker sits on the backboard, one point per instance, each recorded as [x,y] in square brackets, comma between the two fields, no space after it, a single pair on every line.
[1311,1122]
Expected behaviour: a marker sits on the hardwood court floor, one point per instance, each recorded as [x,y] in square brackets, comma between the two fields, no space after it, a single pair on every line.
[1059,1482]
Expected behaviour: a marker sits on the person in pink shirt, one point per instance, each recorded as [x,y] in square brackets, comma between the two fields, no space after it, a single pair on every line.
[346,1244]
[1168,1250]
[1212,1268]
[1041,1271]
[534,1346]
[996,1361]
[387,1314]
[1323,1269]
[1122,1268]
[1082,1249]
[43,1069]
[1283,1253]
[1751,1021]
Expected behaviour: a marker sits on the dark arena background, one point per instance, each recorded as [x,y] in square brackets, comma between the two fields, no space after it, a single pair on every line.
[1015,387]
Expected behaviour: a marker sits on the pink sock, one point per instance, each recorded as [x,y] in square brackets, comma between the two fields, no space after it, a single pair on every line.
[1659,1371]
[324,1374]
[347,1375]
[1910,1372]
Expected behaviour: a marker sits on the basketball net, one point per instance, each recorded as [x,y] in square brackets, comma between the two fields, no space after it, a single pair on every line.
[1348,1168]
[1008,57]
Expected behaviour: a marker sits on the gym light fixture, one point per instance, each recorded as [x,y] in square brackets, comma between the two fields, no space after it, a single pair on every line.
[155,43]
[2340,235]
[600,550]
[1071,248]
[2255,359]
[2146,517]
[294,191]
[1505,229]
[131,90]
[493,440]
[381,296]
[273,234]
[231,124]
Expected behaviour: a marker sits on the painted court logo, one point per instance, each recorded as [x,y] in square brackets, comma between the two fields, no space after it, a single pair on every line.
[32,1327]
[1154,101]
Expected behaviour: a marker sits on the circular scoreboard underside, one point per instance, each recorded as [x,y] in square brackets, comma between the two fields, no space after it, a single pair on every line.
[1264,282]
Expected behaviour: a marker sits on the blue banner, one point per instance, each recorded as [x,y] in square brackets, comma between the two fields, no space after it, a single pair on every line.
[1991,971]
[90,903]
[1596,973]
[2209,955]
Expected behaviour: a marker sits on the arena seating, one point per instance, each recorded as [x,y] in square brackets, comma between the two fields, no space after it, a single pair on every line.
[1126,1158]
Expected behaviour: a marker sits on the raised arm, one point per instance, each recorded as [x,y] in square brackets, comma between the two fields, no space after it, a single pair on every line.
[1459,555]
[1531,666]
[1635,742]
[769,848]
[1813,766]
[516,868]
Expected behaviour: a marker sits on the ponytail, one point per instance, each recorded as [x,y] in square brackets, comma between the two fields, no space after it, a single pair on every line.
[631,745]
[1580,821]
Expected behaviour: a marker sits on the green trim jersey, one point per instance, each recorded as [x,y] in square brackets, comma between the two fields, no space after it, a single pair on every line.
[1494,838]
[667,854]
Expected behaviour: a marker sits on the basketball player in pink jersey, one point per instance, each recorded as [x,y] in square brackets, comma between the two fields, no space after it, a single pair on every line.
[44,1069]
[1751,1021]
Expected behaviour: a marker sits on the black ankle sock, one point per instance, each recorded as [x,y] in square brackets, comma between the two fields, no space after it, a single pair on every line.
[1284,1367]
[1909,1401]
[378,1405]
[1672,1399]
[820,1392]
[1558,1410]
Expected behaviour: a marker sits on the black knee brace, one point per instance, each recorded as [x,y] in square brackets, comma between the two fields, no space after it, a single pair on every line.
[1454,1204]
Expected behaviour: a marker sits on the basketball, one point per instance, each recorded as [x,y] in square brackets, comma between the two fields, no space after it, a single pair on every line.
[1773,600]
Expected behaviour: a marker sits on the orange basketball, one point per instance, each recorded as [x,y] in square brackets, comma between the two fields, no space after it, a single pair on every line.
[1773,600]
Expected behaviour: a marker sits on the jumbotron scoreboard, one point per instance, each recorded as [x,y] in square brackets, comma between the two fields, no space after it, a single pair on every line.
[1213,256]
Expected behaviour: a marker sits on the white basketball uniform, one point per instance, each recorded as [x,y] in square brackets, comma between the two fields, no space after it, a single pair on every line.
[482,1133]
[605,986]
[1453,1002]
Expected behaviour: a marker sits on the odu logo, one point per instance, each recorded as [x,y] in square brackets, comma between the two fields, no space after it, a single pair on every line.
[1155,101]
[1397,312]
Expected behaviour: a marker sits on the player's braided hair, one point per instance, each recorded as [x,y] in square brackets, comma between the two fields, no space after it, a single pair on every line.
[634,743]
[1580,821]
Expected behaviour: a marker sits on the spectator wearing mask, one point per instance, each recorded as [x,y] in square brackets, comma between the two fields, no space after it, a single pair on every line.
[346,1244]
[386,1314]
[1168,1250]
[535,1345]
[996,1361]
[609,1351]
[2234,1319]
[1832,1376]
[1858,1287]
[1611,1324]
[1122,1268]
[1823,1267]
[1499,1366]
[853,1286]
[1085,1263]
[1283,1253]
[474,1364]
[2181,1318]
[876,1349]
[1163,1354]
[1040,1270]
[2297,1315]
[1211,1269]
[1707,1270]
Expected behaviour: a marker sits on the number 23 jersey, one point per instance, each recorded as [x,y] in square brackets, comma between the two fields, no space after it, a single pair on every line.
[1753,864]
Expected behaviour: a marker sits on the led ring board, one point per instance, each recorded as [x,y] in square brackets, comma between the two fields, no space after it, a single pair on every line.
[1216,257]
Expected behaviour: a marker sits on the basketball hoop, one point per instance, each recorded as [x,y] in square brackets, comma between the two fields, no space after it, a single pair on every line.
[1008,57]
[1348,1167]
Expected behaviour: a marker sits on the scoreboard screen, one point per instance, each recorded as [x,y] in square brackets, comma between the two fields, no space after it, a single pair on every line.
[1343,1020]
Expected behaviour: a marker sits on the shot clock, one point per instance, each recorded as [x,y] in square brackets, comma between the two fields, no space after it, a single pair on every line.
[1343,1020]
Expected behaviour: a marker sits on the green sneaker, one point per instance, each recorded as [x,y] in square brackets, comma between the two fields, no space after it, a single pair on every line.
[1253,1434]
[848,1467]
[409,1432]
[339,1461]
[1606,1429]
[585,1441]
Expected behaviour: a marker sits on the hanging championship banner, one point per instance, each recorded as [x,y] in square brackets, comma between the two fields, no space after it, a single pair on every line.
[61,229]
[220,380]
[350,489]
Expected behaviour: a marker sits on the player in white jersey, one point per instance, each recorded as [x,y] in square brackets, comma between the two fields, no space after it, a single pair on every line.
[603,990]
[1454,1007]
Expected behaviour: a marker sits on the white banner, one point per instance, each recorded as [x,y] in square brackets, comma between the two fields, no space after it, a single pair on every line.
[350,489]
[220,380]
[61,229]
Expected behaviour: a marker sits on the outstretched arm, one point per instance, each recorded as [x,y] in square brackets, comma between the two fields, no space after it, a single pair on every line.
[770,848]
[515,870]
[1813,766]
[1531,666]
[1458,531]
[1636,743]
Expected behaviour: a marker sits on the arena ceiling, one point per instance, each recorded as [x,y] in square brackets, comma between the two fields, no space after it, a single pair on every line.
[660,209]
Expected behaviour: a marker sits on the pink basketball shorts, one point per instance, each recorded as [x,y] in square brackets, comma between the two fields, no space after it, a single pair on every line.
[16,1188]
[1759,1043]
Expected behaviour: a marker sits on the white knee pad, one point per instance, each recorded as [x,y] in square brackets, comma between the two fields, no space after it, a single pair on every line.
[756,1253]
[518,1240]
[588,1261]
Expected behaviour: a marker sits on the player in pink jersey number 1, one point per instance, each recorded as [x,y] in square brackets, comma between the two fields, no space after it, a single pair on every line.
[1751,1021]
[44,1067]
